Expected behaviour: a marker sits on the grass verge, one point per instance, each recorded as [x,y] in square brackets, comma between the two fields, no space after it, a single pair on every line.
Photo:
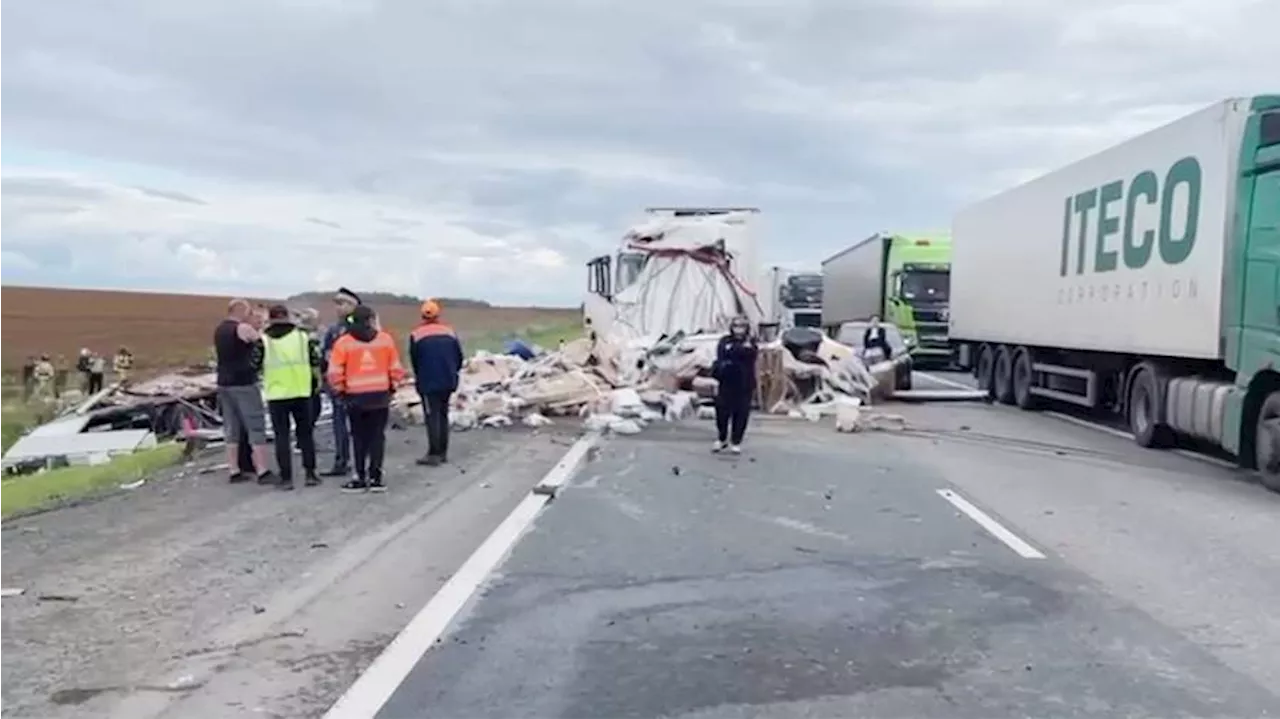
[29,493]
[546,336]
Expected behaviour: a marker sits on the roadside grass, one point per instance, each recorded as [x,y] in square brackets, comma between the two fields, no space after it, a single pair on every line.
[18,417]
[547,336]
[32,492]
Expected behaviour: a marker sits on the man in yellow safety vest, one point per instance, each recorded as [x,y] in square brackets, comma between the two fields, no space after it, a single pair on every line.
[290,364]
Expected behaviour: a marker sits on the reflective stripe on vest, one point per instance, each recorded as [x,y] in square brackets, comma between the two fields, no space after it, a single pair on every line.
[286,366]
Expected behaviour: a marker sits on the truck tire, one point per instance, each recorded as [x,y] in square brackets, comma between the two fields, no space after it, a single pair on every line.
[1267,442]
[1002,377]
[984,368]
[1143,411]
[1023,379]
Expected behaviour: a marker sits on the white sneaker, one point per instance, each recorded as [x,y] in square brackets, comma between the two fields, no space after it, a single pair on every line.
[717,448]
[735,449]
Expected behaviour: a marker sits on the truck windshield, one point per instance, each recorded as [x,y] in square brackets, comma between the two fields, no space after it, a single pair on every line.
[802,291]
[629,266]
[926,286]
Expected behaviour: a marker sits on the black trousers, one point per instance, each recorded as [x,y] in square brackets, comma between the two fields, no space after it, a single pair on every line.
[368,439]
[95,382]
[435,405]
[299,411]
[733,409]
[244,453]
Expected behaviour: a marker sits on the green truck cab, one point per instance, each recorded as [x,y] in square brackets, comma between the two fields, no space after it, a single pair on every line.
[902,278]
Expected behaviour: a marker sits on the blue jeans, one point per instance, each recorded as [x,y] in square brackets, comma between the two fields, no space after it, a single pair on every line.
[341,431]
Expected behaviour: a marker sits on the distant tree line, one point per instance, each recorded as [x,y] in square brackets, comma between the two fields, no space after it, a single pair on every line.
[384,299]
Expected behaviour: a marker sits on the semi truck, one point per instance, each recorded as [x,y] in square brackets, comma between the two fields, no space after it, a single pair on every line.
[902,278]
[1143,281]
[790,299]
[679,269]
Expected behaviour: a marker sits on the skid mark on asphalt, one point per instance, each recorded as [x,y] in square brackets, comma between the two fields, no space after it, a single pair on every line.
[800,526]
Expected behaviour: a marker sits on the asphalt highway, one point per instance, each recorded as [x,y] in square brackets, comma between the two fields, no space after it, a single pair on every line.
[982,563]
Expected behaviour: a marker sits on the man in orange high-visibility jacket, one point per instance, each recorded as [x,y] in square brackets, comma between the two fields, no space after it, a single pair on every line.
[364,369]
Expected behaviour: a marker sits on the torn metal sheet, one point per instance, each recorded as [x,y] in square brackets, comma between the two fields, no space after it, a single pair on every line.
[76,447]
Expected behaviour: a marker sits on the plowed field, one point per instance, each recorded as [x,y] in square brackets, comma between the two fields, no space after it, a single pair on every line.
[165,330]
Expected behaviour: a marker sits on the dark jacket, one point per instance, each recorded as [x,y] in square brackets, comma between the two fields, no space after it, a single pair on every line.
[735,367]
[331,335]
[278,329]
[436,356]
[876,338]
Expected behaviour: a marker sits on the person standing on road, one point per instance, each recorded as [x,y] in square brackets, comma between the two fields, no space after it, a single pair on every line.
[344,303]
[364,369]
[236,341]
[289,364]
[436,356]
[735,374]
[308,319]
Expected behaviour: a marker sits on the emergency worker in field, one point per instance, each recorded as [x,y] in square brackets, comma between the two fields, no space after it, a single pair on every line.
[364,369]
[122,365]
[289,364]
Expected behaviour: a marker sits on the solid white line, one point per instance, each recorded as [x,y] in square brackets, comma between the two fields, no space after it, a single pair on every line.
[994,528]
[374,687]
[1090,425]
[943,380]
[1189,454]
[568,465]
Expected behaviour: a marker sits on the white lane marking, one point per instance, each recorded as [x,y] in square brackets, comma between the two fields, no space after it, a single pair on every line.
[1189,454]
[1090,425]
[943,380]
[568,464]
[366,697]
[994,528]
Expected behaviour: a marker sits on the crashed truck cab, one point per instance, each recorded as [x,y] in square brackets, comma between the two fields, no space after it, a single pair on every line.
[682,269]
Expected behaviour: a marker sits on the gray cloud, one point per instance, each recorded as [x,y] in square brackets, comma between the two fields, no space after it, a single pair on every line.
[549,124]
[170,195]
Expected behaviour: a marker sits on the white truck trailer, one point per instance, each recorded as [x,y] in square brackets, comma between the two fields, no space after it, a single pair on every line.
[1144,280]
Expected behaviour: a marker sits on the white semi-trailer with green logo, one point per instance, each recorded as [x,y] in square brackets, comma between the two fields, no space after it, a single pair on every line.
[1144,280]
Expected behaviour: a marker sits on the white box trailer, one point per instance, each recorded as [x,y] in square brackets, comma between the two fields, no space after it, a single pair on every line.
[1142,280]
[1107,254]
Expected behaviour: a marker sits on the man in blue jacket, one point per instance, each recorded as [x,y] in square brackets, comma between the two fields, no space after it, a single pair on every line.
[344,303]
[436,356]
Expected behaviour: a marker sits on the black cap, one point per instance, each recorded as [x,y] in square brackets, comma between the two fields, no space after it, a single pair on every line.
[278,312]
[347,294]
[362,315]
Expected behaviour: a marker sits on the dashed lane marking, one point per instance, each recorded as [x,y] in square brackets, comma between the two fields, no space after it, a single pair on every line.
[994,528]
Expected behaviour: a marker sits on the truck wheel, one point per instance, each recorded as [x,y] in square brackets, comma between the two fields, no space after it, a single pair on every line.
[1267,442]
[984,368]
[1143,411]
[1002,379]
[1023,378]
[902,378]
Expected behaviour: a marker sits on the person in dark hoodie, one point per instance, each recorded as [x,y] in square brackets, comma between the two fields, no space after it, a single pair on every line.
[436,356]
[289,365]
[344,303]
[364,369]
[735,373]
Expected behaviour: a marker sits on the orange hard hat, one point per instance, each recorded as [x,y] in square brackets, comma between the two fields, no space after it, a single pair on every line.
[430,308]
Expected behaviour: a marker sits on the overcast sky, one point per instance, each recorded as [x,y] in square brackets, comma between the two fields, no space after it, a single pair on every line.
[489,148]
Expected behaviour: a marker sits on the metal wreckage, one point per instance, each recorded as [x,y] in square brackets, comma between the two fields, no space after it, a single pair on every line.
[649,345]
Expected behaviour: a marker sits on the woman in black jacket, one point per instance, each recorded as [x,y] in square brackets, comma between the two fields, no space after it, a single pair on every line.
[735,372]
